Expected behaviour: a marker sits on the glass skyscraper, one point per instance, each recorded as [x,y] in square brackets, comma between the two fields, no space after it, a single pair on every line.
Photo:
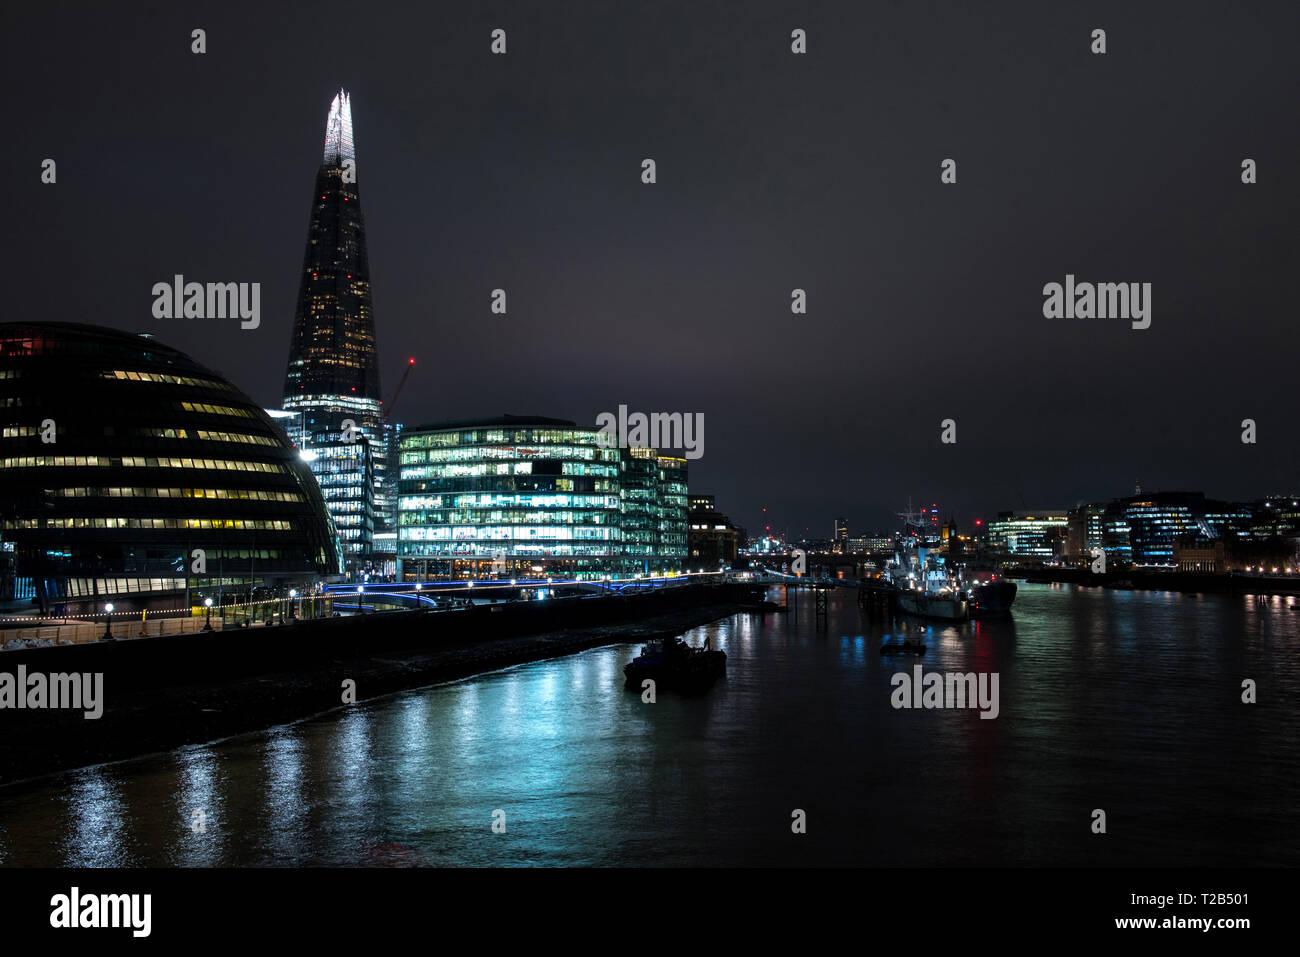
[332,377]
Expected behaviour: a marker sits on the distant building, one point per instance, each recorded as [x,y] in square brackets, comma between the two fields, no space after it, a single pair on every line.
[951,540]
[1143,529]
[766,544]
[1029,533]
[1086,531]
[879,543]
[1276,516]
[840,538]
[714,540]
[1218,556]
[1208,557]
[1156,521]
[862,544]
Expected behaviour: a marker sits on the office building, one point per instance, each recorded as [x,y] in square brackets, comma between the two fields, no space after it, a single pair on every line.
[1038,533]
[522,496]
[714,540]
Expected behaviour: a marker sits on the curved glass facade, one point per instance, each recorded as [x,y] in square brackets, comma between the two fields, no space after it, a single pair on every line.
[129,469]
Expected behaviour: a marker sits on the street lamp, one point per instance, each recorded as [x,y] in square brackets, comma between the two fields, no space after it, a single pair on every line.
[293,594]
[360,609]
[108,624]
[207,625]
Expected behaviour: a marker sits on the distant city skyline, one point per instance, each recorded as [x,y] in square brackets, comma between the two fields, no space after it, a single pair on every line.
[967,523]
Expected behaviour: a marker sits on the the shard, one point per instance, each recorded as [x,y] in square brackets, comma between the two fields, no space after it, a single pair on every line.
[332,379]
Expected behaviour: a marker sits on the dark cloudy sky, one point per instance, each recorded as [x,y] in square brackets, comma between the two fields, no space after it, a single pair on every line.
[776,171]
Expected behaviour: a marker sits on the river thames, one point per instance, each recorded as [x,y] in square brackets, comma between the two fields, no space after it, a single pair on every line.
[1129,702]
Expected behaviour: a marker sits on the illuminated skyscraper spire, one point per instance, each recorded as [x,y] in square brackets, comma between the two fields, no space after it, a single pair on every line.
[332,376]
[332,354]
[338,131]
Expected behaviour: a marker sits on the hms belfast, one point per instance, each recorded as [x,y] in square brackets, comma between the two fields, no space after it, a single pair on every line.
[921,581]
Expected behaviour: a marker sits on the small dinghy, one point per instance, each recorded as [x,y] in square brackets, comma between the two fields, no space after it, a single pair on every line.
[904,647]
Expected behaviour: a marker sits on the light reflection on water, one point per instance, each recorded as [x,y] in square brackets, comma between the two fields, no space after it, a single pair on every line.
[1128,701]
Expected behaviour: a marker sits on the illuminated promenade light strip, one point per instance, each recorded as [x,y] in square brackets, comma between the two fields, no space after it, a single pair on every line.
[380,589]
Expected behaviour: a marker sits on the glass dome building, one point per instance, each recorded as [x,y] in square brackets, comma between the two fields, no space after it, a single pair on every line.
[133,474]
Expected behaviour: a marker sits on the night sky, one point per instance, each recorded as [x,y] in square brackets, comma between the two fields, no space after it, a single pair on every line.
[775,171]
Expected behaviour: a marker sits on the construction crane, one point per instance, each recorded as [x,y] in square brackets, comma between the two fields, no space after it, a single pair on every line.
[388,407]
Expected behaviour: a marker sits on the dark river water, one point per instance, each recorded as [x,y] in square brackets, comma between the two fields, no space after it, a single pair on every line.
[1126,702]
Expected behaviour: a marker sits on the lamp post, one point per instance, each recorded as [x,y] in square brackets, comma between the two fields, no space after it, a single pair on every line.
[108,623]
[293,595]
[207,624]
[360,591]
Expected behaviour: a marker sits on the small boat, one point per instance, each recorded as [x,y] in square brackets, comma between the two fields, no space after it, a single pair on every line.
[672,663]
[908,646]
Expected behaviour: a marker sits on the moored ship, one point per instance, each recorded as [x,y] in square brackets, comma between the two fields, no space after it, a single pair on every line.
[945,605]
[672,663]
[924,585]
[991,594]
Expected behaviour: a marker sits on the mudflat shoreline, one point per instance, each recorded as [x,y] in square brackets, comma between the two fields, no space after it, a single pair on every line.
[193,689]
